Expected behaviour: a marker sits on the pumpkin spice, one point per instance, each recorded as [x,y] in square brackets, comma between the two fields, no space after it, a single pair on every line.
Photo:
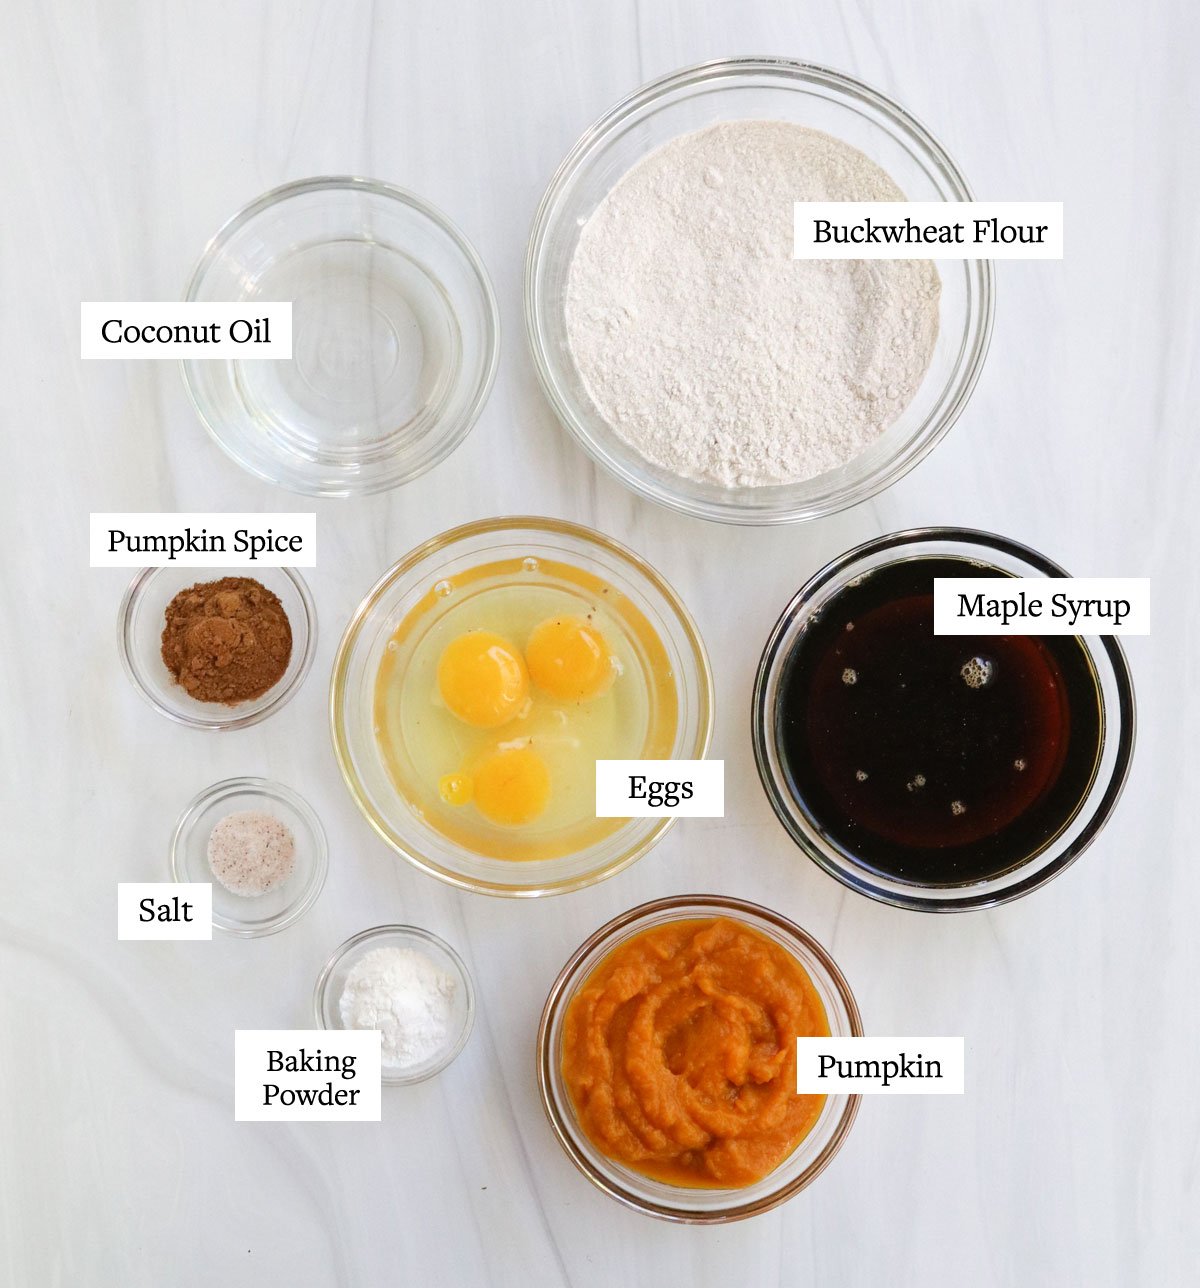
[226,641]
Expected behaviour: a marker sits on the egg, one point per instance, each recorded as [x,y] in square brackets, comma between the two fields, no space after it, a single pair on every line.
[499,765]
[482,679]
[568,658]
[455,789]
[511,786]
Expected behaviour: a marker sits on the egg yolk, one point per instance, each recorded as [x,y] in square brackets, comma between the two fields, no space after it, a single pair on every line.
[482,679]
[569,659]
[512,787]
[455,789]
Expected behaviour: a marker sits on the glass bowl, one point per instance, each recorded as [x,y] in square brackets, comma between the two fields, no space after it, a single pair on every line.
[1117,721]
[395,335]
[759,88]
[675,1202]
[139,635]
[389,601]
[332,980]
[264,914]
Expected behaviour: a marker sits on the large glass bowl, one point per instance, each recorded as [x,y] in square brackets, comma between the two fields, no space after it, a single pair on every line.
[759,88]
[676,1202]
[398,820]
[395,335]
[1113,681]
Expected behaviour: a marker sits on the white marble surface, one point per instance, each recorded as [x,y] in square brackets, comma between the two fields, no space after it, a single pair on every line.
[133,130]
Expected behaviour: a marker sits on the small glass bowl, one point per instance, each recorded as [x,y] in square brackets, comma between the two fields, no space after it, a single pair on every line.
[677,1202]
[139,635]
[251,917]
[756,88]
[395,337]
[1115,684]
[352,692]
[332,980]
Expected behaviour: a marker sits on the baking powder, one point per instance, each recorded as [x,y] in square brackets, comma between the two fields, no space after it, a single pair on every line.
[713,352]
[404,995]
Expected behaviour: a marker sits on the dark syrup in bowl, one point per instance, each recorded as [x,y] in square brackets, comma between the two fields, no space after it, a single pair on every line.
[939,760]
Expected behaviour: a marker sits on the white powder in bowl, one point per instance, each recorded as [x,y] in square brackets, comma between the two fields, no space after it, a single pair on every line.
[404,995]
[713,352]
[251,852]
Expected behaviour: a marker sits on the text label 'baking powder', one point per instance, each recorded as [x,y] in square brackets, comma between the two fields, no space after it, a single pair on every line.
[306,1075]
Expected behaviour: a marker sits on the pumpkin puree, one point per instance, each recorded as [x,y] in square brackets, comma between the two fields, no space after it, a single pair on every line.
[679,1052]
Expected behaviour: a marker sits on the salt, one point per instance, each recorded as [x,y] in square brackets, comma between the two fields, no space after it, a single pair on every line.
[251,852]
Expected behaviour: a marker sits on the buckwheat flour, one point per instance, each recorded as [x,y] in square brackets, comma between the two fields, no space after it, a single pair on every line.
[713,352]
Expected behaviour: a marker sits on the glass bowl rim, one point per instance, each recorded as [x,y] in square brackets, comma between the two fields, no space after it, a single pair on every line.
[568,980]
[339,954]
[133,668]
[713,508]
[406,564]
[268,787]
[462,244]
[1122,721]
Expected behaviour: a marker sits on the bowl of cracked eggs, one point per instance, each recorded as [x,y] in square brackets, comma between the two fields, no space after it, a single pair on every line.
[481,679]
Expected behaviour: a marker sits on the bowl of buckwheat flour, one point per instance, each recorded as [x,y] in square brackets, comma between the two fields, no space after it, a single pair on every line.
[683,346]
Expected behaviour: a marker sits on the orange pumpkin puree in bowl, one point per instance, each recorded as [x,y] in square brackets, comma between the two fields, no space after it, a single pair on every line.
[679,1053]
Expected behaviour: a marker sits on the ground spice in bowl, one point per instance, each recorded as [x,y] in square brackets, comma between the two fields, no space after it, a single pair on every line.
[226,641]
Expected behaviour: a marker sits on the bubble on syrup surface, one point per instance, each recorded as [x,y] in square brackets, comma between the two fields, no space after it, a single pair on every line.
[957,808]
[530,564]
[442,589]
[849,676]
[977,672]
[861,775]
[1020,764]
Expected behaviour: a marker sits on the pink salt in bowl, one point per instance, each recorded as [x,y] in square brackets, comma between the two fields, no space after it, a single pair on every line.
[252,916]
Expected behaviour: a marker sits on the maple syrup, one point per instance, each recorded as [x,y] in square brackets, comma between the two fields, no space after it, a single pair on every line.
[934,759]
